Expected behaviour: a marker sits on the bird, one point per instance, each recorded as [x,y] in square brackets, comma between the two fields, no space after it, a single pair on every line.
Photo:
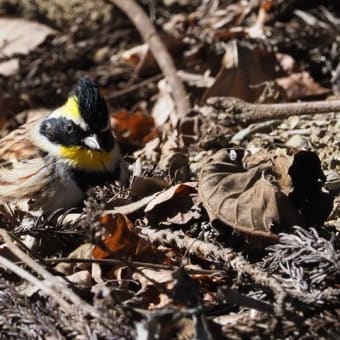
[50,162]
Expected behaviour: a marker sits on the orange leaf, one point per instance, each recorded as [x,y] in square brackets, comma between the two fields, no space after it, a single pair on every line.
[122,239]
[135,128]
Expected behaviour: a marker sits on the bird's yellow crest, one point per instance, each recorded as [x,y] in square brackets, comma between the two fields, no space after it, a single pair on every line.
[71,109]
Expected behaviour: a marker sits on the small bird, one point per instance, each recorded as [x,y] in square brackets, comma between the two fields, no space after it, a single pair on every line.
[50,162]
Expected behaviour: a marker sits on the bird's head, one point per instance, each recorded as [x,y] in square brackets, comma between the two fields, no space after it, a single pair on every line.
[79,131]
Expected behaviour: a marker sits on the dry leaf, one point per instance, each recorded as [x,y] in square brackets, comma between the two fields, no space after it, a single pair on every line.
[174,206]
[122,240]
[145,186]
[301,85]
[242,72]
[134,128]
[148,276]
[247,200]
[281,166]
[20,36]
[164,300]
[82,252]
[9,67]
[142,59]
[164,107]
[82,277]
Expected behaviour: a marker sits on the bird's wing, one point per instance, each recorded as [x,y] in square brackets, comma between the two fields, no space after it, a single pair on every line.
[24,180]
[23,169]
[17,146]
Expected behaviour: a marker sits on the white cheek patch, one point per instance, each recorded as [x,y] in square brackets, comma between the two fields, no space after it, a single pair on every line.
[44,143]
[60,112]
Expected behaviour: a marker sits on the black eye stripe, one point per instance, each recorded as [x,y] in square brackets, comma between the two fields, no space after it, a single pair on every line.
[58,131]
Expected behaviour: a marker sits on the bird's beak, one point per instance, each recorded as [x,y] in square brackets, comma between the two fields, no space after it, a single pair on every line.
[92,142]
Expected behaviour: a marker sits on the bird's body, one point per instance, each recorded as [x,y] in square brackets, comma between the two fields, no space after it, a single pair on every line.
[51,161]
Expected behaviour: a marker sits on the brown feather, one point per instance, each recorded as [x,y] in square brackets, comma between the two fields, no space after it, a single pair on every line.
[18,146]
[24,173]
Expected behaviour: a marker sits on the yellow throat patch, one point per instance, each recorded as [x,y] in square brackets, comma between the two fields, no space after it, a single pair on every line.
[85,159]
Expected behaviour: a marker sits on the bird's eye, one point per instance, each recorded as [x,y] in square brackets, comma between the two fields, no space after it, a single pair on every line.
[69,127]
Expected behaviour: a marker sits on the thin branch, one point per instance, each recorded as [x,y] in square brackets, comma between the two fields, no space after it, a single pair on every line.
[245,113]
[49,290]
[54,283]
[149,34]
[135,263]
[228,256]
[126,209]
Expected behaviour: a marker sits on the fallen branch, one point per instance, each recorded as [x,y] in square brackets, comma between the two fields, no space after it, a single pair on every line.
[47,289]
[245,113]
[229,257]
[188,269]
[149,34]
[54,286]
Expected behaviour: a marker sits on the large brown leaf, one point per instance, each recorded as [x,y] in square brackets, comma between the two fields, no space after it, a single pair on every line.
[20,36]
[243,74]
[248,200]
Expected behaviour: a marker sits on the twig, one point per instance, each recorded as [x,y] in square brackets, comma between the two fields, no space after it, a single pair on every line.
[36,282]
[246,113]
[56,284]
[147,30]
[208,251]
[135,263]
[126,209]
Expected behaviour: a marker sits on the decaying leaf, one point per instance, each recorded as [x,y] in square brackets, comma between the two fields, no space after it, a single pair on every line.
[122,240]
[134,128]
[148,276]
[264,192]
[248,200]
[243,73]
[145,186]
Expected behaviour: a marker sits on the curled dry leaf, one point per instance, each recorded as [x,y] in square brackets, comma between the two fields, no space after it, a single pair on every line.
[248,200]
[176,205]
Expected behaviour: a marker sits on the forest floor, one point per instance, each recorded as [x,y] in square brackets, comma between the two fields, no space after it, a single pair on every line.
[229,227]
